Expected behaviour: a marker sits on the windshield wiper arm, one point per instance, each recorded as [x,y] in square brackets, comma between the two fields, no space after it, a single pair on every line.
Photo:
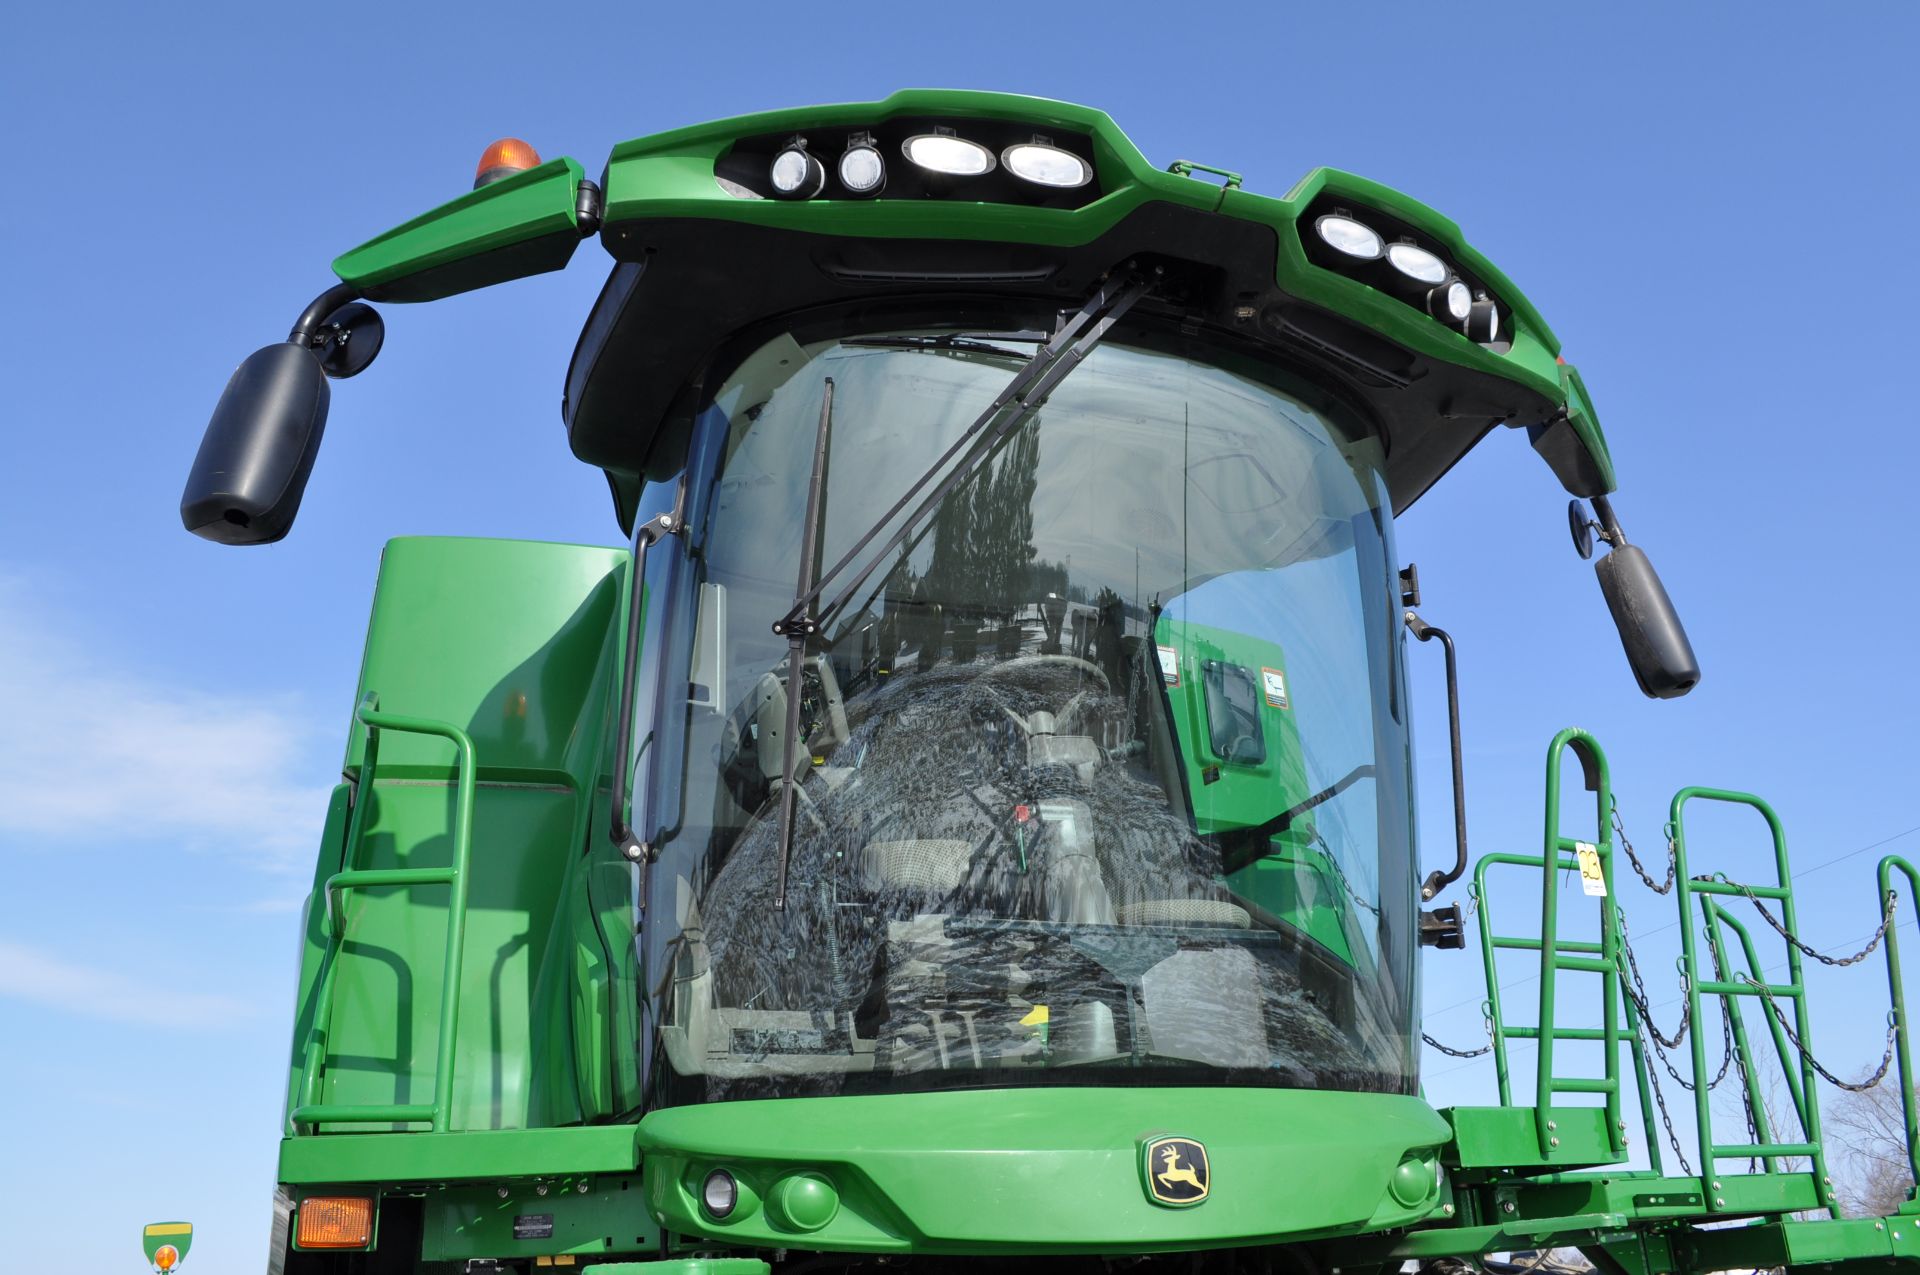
[797,635]
[952,342]
[1017,401]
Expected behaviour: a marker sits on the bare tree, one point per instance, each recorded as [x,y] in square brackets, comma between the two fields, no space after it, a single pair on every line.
[1868,1131]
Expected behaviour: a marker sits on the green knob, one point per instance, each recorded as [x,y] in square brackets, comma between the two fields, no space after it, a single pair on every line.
[804,1201]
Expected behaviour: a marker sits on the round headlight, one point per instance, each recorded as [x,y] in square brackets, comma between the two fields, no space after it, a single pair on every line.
[1417,263]
[1450,302]
[1483,322]
[862,171]
[796,174]
[948,154]
[1349,236]
[1044,164]
[719,1193]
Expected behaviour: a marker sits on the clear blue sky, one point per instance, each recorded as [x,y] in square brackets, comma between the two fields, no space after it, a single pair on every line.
[1711,204]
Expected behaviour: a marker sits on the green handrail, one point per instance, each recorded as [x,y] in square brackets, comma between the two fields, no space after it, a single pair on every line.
[1686,889]
[309,1112]
[1903,1041]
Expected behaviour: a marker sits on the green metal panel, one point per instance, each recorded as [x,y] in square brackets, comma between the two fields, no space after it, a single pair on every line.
[580,1214]
[518,226]
[481,1155]
[1044,1170]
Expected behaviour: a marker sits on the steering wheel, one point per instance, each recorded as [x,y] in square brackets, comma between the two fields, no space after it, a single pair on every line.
[1032,664]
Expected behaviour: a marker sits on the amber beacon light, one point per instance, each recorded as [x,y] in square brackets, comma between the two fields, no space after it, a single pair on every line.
[504,158]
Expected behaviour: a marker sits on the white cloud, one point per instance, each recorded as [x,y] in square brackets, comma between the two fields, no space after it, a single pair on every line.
[88,750]
[30,974]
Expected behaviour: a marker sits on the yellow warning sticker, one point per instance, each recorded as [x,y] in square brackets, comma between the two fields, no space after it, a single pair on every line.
[1592,879]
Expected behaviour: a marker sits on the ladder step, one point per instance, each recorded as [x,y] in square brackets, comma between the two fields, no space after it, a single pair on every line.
[1748,989]
[391,876]
[363,1113]
[1533,945]
[1765,1150]
[1559,1033]
[1584,1084]
[1586,964]
[1727,887]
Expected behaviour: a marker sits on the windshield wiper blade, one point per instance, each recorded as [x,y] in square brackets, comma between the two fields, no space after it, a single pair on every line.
[797,644]
[1017,401]
[953,342]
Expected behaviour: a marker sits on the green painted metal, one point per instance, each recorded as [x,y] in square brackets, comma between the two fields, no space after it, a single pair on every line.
[520,225]
[1896,992]
[479,1155]
[310,1111]
[1043,1170]
[570,1213]
[1686,890]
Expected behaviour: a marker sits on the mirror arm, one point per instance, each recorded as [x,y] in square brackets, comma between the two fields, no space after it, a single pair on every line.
[306,328]
[1610,529]
[1439,880]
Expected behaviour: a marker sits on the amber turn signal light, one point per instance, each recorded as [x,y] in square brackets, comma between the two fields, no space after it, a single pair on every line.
[328,1221]
[504,158]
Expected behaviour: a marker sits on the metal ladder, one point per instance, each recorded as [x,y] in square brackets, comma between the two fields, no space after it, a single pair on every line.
[309,1112]
[1578,1142]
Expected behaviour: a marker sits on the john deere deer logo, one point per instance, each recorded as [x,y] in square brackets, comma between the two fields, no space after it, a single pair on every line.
[1176,1171]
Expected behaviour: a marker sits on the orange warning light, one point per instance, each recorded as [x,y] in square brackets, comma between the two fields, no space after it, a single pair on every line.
[504,158]
[328,1221]
[166,1256]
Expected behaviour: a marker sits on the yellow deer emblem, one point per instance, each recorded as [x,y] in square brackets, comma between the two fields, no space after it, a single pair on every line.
[1176,1171]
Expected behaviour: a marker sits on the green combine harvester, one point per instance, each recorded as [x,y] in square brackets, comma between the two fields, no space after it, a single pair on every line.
[969,822]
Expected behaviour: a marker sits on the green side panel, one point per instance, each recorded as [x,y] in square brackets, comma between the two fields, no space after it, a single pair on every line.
[503,638]
[1043,1170]
[671,175]
[518,226]
[1506,1137]
[515,642]
[579,1214]
[454,1157]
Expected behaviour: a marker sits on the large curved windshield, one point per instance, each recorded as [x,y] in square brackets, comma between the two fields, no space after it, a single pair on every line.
[1101,775]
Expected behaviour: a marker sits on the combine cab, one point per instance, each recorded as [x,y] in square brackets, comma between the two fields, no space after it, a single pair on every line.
[969,820]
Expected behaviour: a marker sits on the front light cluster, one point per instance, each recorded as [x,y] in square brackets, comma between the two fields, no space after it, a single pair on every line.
[1442,293]
[796,173]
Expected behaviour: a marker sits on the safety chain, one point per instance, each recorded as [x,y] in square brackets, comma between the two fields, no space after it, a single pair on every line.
[1879,1074]
[1888,907]
[1638,993]
[1660,1098]
[1673,857]
[1451,1052]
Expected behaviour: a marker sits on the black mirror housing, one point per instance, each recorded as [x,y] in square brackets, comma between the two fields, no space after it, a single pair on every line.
[1650,629]
[258,451]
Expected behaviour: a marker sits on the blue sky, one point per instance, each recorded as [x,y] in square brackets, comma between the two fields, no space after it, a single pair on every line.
[1709,203]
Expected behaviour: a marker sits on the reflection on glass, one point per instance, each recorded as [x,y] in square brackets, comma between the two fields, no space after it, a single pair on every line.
[1100,776]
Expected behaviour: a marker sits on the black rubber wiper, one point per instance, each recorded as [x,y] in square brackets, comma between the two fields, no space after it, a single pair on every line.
[1016,403]
[957,342]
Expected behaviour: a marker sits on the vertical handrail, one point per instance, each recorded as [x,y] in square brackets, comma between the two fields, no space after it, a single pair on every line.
[1687,889]
[309,1111]
[1717,918]
[1496,1020]
[1593,760]
[1903,1041]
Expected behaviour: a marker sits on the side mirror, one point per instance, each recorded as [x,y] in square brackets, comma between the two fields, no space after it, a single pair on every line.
[1650,629]
[254,460]
[258,451]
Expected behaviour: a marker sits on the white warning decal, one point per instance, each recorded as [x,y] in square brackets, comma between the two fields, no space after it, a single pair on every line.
[1169,666]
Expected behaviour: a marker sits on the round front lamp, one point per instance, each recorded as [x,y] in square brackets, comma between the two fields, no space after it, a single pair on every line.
[1450,302]
[1417,264]
[1044,164]
[862,170]
[719,1194]
[797,174]
[1483,322]
[948,154]
[1343,234]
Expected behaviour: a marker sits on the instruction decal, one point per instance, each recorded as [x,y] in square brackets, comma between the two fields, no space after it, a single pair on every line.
[1592,879]
[1169,666]
[1274,683]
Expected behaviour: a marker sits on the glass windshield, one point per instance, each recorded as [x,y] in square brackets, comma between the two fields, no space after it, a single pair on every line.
[1102,774]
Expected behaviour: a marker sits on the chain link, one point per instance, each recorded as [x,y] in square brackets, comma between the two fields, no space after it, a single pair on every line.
[1879,1074]
[1673,858]
[1451,1052]
[1888,906]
